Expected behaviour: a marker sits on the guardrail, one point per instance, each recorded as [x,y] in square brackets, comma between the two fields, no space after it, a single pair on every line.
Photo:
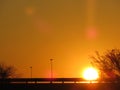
[42,80]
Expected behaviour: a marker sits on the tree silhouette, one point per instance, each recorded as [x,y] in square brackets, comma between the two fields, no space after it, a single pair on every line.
[7,71]
[108,63]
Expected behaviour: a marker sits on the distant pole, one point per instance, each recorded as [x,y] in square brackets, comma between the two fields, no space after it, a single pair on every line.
[51,63]
[31,72]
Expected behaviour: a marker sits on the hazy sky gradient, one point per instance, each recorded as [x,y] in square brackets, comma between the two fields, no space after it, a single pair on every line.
[34,31]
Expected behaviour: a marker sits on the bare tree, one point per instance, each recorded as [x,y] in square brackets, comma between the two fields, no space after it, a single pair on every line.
[108,63]
[7,71]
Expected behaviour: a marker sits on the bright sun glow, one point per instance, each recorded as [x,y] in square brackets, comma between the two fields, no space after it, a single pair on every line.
[90,74]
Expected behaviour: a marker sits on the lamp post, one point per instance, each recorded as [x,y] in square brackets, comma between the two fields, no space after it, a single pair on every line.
[51,63]
[31,72]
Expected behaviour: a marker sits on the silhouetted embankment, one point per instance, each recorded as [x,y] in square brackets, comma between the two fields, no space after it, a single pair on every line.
[55,84]
[61,86]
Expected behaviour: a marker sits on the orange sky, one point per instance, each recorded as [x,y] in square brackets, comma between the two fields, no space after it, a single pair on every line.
[68,31]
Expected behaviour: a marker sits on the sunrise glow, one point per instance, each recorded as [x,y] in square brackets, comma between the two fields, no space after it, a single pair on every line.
[90,74]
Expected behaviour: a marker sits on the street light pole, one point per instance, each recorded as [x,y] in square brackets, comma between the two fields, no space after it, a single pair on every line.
[51,62]
[31,72]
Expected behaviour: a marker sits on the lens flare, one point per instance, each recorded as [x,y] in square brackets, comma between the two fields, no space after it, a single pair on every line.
[91,33]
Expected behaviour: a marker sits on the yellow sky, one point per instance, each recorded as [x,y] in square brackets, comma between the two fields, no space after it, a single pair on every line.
[34,31]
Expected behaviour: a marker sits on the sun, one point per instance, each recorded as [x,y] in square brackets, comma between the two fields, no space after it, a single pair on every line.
[90,74]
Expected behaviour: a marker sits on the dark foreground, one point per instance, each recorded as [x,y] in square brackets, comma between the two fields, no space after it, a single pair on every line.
[61,86]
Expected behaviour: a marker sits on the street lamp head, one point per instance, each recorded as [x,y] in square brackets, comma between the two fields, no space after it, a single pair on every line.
[51,59]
